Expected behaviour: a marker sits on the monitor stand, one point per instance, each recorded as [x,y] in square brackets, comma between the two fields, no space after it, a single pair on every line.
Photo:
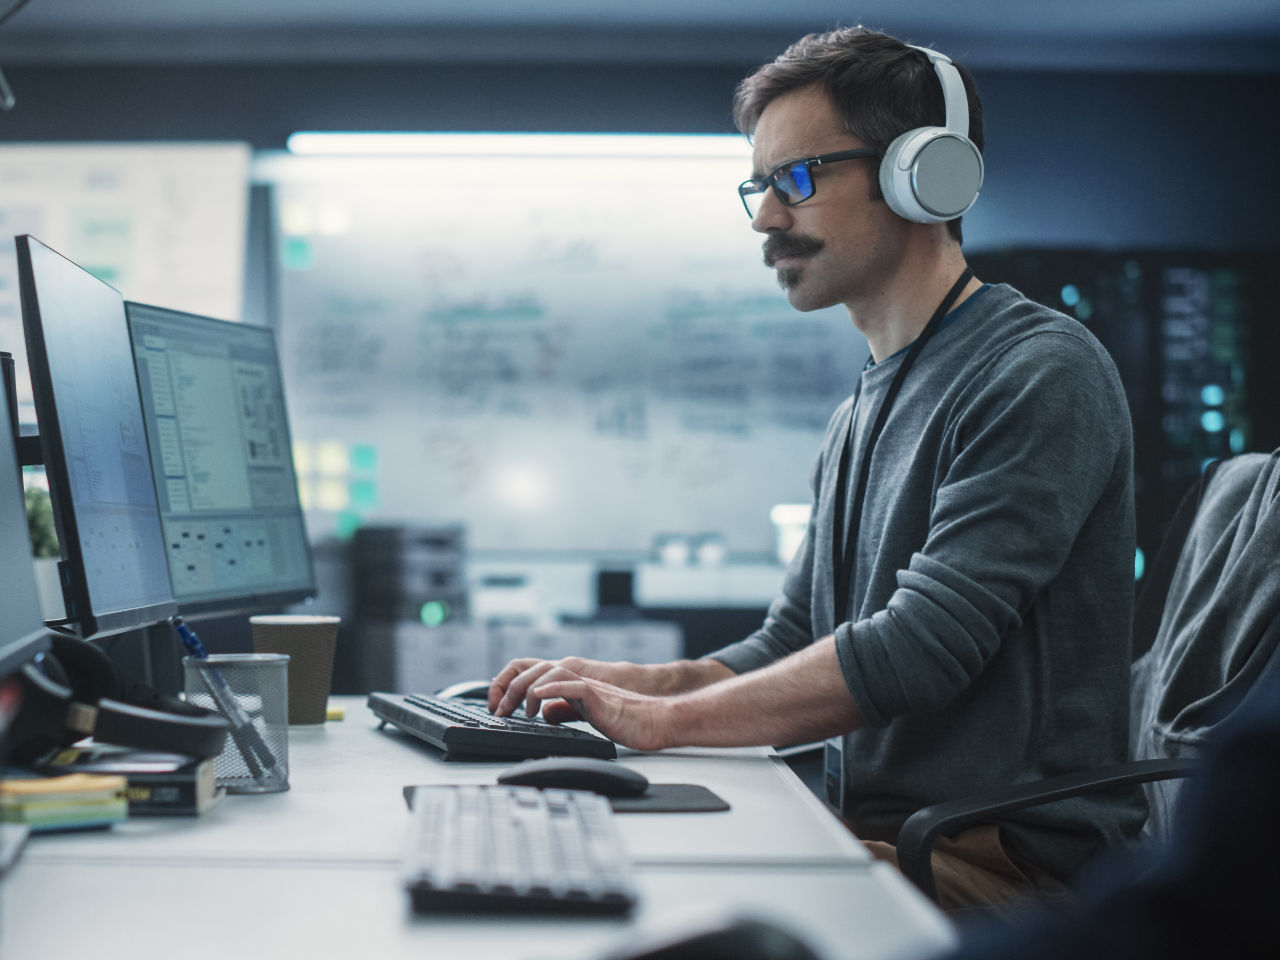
[162,659]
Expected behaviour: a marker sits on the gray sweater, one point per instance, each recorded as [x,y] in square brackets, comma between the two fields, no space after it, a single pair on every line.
[988,634]
[1221,624]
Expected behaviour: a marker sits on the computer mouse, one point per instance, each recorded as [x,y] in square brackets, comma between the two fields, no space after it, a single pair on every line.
[471,689]
[607,777]
[719,937]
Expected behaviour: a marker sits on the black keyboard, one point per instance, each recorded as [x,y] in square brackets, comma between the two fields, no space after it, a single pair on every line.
[465,729]
[488,847]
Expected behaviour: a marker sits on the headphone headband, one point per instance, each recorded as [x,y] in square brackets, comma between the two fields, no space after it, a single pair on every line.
[953,92]
[933,174]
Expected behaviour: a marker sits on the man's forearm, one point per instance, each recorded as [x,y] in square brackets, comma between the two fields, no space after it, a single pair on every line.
[799,699]
[683,676]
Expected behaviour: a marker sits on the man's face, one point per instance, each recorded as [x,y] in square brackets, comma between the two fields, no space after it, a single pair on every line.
[841,244]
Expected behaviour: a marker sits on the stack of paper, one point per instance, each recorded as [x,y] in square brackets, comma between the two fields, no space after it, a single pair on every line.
[73,802]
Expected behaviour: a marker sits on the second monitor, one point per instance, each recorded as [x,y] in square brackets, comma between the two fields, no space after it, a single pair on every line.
[221,452]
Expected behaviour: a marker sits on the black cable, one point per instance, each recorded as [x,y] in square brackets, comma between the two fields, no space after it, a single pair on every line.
[7,15]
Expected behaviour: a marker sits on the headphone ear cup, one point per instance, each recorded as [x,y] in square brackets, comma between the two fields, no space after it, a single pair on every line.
[931,175]
[76,672]
[893,185]
[40,725]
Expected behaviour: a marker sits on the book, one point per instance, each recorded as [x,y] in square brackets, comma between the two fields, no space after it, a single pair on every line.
[158,784]
[78,801]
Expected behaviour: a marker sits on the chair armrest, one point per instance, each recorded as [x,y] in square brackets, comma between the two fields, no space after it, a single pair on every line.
[922,829]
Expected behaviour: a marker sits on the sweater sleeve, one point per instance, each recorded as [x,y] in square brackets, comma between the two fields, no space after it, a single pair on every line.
[1031,444]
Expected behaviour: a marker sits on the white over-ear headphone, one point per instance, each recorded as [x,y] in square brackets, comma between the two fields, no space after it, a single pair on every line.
[932,174]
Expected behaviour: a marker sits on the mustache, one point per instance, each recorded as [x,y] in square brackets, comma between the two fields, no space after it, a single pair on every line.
[781,245]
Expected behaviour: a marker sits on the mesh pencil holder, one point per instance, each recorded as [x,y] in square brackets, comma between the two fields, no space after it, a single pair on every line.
[251,690]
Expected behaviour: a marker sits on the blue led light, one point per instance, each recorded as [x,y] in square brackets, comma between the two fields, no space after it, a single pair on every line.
[1070,295]
[1139,564]
[1235,440]
[1212,421]
[1212,395]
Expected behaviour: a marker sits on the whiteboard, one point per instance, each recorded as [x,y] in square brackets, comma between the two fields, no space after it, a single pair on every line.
[564,353]
[163,223]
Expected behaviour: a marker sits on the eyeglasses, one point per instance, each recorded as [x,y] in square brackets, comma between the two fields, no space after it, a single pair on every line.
[793,182]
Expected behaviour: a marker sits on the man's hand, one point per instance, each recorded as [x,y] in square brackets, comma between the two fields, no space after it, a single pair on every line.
[635,720]
[694,703]
[512,685]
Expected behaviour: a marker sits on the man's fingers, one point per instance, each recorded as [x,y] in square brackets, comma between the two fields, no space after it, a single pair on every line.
[566,690]
[517,687]
[503,680]
[631,719]
[552,675]
[559,687]
[559,711]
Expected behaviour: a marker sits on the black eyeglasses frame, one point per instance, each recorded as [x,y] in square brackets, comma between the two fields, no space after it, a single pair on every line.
[758,185]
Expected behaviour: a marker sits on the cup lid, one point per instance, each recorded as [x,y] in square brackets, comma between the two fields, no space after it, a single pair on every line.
[292,619]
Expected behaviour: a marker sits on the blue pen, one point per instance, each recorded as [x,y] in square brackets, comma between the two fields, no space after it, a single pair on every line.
[243,732]
[189,639]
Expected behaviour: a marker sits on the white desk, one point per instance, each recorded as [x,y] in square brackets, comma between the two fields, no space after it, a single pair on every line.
[313,872]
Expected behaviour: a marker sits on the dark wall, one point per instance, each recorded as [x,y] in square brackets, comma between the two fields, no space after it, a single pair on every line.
[1129,160]
[1073,159]
[263,104]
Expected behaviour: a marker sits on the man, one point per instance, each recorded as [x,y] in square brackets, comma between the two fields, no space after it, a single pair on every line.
[958,615]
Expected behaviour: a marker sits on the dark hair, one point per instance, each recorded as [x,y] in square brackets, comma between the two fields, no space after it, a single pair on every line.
[880,86]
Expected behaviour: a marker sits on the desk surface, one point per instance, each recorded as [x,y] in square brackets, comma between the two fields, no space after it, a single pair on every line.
[314,872]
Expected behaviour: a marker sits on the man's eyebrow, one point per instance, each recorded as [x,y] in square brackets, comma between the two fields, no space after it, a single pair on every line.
[755,175]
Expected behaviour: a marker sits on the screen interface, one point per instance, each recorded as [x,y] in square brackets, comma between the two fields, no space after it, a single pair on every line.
[93,436]
[213,403]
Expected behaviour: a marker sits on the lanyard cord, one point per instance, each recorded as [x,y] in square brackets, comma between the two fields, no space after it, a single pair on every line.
[844,547]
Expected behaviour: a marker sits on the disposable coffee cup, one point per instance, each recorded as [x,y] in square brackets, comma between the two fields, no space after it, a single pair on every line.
[309,642]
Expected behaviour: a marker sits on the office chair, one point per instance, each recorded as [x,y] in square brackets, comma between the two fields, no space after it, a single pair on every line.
[1206,635]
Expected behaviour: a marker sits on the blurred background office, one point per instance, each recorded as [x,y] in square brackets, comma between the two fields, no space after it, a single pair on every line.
[544,396]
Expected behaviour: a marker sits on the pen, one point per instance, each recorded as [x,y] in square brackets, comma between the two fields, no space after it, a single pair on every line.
[243,732]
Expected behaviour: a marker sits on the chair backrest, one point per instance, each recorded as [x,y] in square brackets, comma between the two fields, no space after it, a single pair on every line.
[1219,629]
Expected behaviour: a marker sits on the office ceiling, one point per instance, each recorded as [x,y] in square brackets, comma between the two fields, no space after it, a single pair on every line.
[1183,35]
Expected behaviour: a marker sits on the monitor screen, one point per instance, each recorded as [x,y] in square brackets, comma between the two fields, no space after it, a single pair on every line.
[22,633]
[95,448]
[221,454]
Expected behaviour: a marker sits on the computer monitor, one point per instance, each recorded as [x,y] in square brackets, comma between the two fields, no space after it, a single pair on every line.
[115,575]
[22,631]
[213,404]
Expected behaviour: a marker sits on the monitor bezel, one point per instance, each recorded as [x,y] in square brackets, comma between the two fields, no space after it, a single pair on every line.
[81,613]
[240,602]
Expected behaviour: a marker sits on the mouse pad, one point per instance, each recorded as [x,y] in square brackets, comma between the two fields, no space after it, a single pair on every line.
[659,798]
[670,798]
